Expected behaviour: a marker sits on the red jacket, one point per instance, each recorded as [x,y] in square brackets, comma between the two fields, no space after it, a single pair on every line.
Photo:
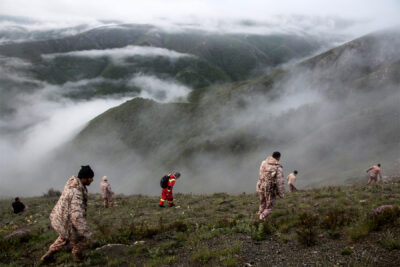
[171,182]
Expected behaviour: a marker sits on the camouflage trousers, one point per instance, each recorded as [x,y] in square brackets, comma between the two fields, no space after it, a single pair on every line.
[267,202]
[372,180]
[108,202]
[77,245]
[292,188]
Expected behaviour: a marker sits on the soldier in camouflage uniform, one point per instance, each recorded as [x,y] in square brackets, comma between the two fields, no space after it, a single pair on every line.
[292,181]
[68,217]
[375,174]
[106,192]
[270,184]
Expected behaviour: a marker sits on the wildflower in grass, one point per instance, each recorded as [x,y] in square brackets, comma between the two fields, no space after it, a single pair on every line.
[380,209]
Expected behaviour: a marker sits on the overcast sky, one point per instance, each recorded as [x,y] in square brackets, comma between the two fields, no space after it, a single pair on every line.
[370,13]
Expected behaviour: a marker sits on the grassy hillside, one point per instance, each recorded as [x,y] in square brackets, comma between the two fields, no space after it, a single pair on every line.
[327,226]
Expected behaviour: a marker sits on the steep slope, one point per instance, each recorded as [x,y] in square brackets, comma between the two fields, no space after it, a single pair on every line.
[323,118]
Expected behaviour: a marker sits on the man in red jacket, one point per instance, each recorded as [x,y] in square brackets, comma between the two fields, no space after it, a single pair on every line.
[166,193]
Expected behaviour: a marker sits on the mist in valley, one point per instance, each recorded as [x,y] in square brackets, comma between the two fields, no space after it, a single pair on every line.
[329,129]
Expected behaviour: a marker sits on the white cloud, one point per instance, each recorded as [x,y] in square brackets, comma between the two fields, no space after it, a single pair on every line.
[159,90]
[207,14]
[119,54]
[148,10]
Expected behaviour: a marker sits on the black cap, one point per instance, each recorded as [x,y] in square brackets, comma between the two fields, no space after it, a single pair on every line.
[276,155]
[85,172]
[177,174]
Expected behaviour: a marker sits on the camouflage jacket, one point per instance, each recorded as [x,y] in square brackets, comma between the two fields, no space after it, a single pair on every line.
[291,179]
[375,171]
[68,217]
[271,179]
[106,191]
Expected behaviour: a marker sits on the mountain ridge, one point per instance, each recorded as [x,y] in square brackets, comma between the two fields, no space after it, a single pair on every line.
[215,129]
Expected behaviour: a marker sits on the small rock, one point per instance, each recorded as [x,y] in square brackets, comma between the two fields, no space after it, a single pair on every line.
[141,242]
[19,233]
[111,246]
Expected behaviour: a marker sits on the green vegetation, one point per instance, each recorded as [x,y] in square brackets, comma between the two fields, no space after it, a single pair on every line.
[390,241]
[346,251]
[198,231]
[214,58]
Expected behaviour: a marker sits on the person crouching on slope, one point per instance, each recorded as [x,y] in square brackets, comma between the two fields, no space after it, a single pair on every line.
[68,217]
[166,193]
[270,184]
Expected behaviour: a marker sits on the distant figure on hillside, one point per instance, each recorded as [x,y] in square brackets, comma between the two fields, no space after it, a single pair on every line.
[292,181]
[18,206]
[166,192]
[68,217]
[270,184]
[106,192]
[375,172]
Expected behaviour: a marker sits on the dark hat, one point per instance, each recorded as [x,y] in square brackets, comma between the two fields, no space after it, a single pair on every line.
[177,174]
[86,172]
[276,155]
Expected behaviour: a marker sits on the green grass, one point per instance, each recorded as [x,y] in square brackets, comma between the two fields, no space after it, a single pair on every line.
[346,251]
[390,241]
[198,231]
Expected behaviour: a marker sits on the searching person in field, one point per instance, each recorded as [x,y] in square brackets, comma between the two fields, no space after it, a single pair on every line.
[106,192]
[375,171]
[18,206]
[291,179]
[167,184]
[68,217]
[270,184]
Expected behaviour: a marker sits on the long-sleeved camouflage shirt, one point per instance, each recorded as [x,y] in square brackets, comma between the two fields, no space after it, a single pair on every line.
[292,179]
[375,172]
[271,178]
[68,217]
[106,191]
